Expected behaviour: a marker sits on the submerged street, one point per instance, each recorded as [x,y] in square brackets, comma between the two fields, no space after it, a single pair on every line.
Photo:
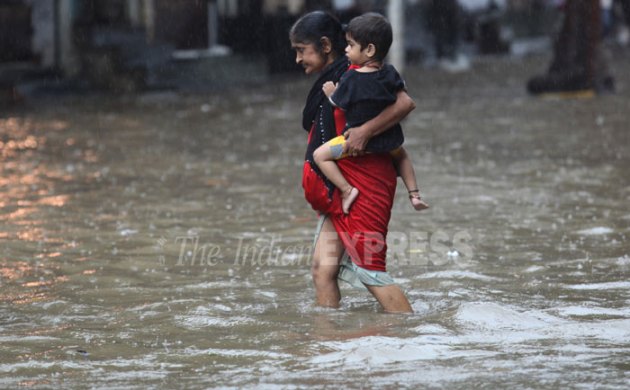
[161,240]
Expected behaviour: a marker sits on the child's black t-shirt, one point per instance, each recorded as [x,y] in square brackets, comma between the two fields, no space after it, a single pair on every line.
[365,95]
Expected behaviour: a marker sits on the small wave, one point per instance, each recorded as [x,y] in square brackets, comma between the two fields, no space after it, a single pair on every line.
[623,261]
[491,323]
[268,294]
[596,231]
[206,321]
[432,329]
[21,339]
[235,353]
[581,311]
[217,285]
[457,275]
[495,316]
[211,316]
[622,285]
[380,350]
[534,269]
[37,364]
[127,232]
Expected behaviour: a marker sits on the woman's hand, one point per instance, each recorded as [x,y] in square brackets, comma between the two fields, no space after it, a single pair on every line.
[329,88]
[356,139]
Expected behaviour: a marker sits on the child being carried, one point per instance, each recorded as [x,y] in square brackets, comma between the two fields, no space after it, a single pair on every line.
[366,89]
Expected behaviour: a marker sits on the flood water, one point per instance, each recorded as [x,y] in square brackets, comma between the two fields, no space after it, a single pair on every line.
[162,241]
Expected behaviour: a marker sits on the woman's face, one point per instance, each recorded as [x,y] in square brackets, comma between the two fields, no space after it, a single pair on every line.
[311,59]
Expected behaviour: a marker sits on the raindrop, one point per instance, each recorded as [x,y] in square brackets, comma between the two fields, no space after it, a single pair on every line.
[600,120]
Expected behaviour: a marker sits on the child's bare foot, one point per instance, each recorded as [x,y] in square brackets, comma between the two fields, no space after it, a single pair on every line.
[347,199]
[419,204]
[416,200]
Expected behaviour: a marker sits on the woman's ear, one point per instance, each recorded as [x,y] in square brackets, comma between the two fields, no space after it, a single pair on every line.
[326,45]
[370,50]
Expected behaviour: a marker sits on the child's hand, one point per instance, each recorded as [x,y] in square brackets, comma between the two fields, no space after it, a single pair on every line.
[329,88]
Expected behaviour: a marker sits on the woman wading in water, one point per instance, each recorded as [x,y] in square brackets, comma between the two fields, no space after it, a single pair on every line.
[350,247]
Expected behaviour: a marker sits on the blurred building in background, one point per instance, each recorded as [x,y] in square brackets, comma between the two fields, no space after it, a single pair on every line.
[128,45]
[135,44]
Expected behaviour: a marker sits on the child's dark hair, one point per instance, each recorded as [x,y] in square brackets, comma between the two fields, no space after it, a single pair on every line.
[372,28]
[311,27]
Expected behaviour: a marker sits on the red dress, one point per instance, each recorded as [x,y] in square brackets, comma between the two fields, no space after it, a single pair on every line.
[364,230]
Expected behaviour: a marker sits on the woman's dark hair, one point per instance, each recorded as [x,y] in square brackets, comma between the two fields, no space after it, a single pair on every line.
[372,28]
[310,28]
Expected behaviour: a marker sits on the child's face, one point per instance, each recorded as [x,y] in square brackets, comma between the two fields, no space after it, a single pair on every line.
[307,55]
[355,53]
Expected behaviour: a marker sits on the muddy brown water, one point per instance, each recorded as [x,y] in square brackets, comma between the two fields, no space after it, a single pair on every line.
[161,241]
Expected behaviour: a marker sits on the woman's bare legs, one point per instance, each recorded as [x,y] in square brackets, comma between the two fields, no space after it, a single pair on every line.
[325,157]
[391,298]
[325,268]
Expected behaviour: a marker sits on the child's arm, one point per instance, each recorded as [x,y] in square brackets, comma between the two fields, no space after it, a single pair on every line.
[358,137]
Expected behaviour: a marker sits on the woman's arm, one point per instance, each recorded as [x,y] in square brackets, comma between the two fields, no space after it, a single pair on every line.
[357,137]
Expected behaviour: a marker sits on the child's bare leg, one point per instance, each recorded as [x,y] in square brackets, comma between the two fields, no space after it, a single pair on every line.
[324,157]
[416,200]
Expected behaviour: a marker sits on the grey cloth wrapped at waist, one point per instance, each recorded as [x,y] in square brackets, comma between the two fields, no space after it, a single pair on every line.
[351,273]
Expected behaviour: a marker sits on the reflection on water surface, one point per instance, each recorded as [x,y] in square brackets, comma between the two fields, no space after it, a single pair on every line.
[162,241]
